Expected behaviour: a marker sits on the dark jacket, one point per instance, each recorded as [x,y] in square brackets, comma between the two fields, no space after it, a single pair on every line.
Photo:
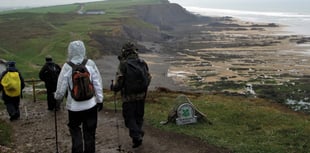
[120,78]
[49,74]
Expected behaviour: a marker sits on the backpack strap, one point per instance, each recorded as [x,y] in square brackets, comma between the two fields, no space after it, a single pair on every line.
[71,64]
[83,62]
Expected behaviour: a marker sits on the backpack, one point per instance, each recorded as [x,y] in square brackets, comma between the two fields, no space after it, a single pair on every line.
[11,84]
[136,76]
[83,88]
[52,73]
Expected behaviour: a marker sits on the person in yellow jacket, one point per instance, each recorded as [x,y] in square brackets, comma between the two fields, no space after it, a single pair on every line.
[11,85]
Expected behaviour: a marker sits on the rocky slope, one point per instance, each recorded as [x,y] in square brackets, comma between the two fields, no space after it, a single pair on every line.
[150,23]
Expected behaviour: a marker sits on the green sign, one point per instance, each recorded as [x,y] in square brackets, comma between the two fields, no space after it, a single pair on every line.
[186,114]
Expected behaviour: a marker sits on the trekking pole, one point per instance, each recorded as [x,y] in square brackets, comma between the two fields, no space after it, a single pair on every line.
[117,127]
[56,135]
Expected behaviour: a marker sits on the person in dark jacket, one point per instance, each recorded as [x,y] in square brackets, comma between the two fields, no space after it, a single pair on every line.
[49,74]
[133,103]
[12,102]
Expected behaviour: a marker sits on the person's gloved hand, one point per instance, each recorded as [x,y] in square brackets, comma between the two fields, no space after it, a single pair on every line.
[99,106]
[58,100]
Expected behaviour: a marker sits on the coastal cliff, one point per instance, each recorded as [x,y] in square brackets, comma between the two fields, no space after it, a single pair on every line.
[168,23]
[151,23]
[165,16]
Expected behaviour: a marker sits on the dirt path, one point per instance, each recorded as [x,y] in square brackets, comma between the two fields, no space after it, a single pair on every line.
[35,133]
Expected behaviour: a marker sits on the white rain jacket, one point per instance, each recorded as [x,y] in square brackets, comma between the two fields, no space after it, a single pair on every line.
[76,54]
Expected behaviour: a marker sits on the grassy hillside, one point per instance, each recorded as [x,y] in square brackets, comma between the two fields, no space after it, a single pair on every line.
[27,36]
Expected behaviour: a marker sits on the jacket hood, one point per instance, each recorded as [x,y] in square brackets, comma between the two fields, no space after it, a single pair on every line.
[76,51]
[11,66]
[129,50]
[48,59]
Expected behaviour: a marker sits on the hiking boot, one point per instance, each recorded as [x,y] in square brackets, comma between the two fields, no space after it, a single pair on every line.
[137,143]
[13,118]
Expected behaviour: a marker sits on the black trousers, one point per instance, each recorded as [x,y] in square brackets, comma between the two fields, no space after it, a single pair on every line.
[133,113]
[82,126]
[52,102]
[12,106]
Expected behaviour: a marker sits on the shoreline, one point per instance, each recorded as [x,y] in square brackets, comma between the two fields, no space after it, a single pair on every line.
[240,46]
[295,22]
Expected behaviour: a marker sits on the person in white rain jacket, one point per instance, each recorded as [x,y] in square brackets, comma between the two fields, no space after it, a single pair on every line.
[82,115]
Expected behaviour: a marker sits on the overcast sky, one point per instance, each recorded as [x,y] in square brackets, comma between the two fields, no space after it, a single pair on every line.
[270,5]
[35,3]
[299,5]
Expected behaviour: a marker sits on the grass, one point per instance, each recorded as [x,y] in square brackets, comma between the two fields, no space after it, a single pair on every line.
[5,130]
[5,133]
[243,125]
[28,35]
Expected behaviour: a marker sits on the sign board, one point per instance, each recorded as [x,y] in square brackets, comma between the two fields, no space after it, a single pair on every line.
[186,114]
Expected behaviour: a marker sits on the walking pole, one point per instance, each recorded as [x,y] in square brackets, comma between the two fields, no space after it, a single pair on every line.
[56,137]
[117,127]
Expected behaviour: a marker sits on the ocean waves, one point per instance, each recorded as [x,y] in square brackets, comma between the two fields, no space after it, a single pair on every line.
[296,22]
[229,12]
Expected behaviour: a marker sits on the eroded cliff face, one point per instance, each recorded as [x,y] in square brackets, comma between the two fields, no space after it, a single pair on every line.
[165,16]
[156,23]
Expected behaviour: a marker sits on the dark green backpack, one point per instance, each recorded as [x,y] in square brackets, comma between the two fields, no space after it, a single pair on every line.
[136,76]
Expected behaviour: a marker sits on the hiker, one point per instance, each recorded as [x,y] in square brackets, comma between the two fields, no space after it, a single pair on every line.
[12,84]
[49,74]
[133,92]
[82,113]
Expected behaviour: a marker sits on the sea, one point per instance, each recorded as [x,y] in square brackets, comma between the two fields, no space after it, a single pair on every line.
[293,15]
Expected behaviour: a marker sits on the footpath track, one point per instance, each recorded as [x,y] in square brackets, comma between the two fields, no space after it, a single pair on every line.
[34,132]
